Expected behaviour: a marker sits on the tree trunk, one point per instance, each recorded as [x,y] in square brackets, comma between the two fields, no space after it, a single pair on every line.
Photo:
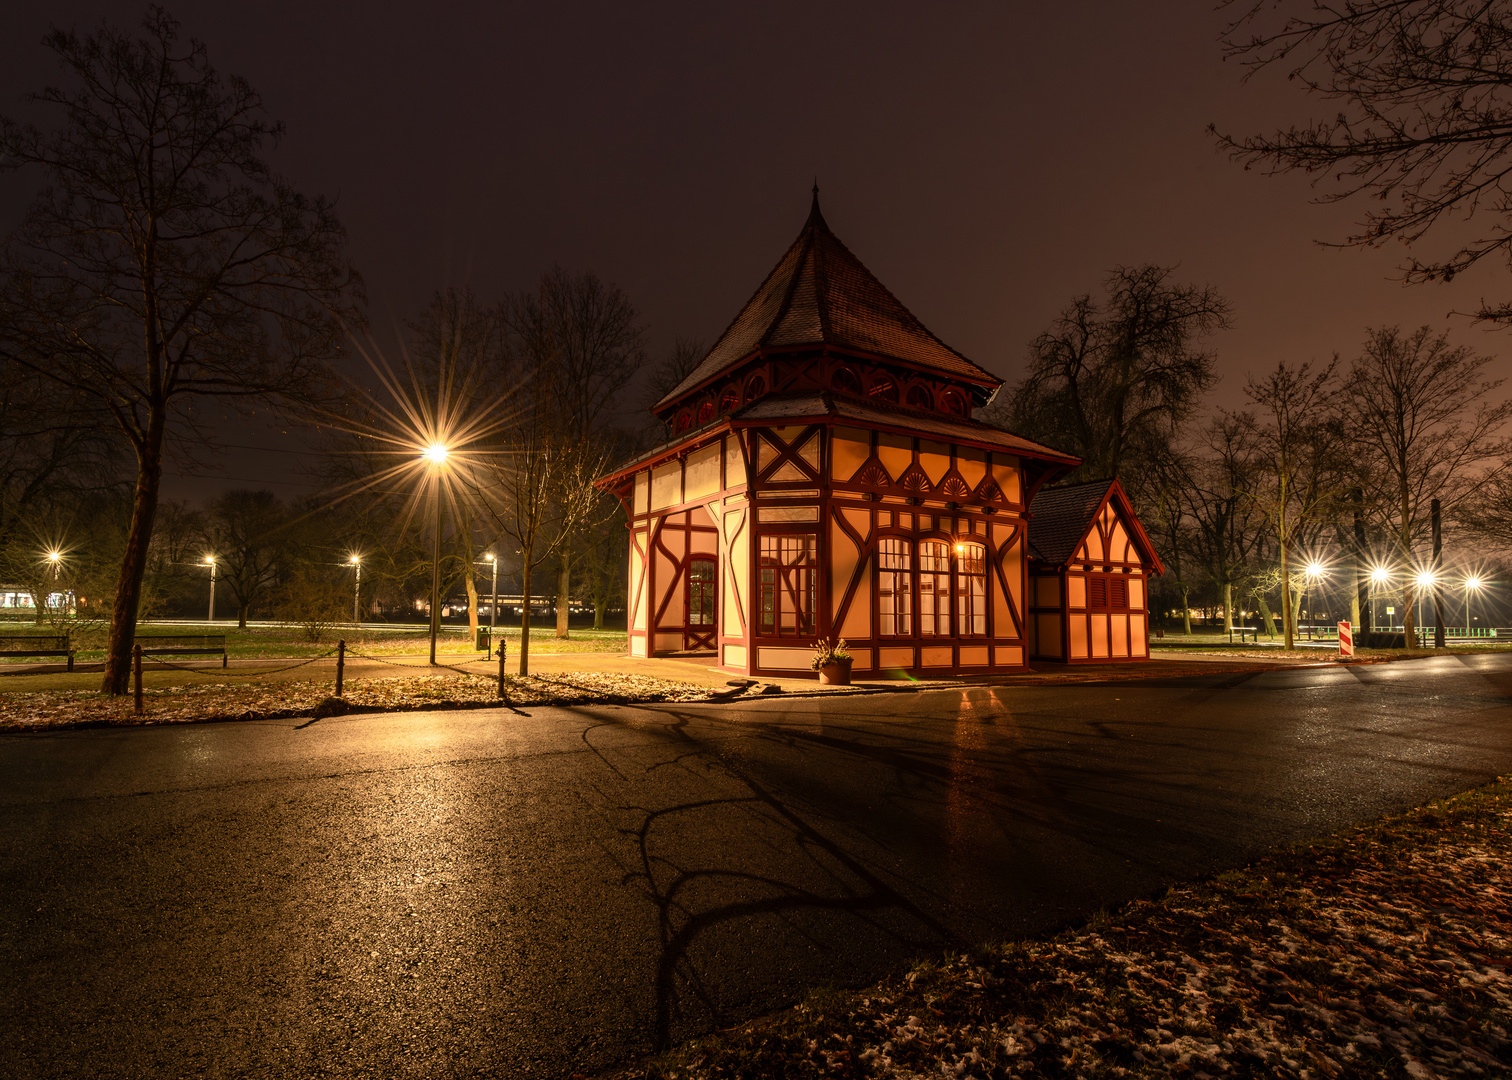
[1228,608]
[563,601]
[472,606]
[1186,609]
[525,618]
[599,604]
[1265,613]
[241,617]
[128,596]
[1437,570]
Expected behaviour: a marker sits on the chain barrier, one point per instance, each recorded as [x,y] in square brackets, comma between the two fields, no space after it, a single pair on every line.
[222,673]
[420,667]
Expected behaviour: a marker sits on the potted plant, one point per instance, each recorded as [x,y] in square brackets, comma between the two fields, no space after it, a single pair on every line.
[832,660]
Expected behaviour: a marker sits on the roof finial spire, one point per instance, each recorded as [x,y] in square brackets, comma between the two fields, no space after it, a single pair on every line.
[815,217]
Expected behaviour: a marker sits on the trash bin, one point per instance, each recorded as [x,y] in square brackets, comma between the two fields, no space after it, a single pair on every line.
[483,644]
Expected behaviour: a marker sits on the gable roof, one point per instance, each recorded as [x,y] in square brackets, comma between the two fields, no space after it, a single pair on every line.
[819,294]
[1060,517]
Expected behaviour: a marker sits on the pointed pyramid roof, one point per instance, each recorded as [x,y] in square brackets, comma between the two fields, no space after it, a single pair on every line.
[819,295]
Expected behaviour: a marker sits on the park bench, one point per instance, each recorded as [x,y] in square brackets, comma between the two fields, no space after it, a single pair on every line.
[184,645]
[37,645]
[1253,631]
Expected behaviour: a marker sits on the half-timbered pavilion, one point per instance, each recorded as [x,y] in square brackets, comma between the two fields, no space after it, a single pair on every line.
[826,479]
[1089,568]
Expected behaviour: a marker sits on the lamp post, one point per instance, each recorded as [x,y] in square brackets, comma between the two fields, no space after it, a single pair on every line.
[493,604]
[1470,583]
[1425,581]
[356,561]
[436,454]
[1378,577]
[210,562]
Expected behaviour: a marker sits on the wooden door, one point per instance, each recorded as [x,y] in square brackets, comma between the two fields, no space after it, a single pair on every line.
[700,626]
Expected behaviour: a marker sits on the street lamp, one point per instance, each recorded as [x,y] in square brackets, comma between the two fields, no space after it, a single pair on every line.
[1378,577]
[436,454]
[356,563]
[1426,579]
[210,562]
[1470,583]
[493,605]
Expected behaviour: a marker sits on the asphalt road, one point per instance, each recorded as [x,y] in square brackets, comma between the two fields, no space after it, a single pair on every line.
[495,893]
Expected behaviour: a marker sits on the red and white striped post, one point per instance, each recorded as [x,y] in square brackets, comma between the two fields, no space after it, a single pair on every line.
[1346,640]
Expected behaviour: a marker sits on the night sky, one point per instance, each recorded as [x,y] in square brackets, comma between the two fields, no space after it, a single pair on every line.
[986,161]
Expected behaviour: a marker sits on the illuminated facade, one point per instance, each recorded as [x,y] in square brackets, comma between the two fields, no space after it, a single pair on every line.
[826,479]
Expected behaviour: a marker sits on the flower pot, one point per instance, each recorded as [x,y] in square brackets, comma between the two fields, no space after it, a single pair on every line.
[835,673]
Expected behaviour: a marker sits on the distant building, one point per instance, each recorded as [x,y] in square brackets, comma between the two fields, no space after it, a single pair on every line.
[826,479]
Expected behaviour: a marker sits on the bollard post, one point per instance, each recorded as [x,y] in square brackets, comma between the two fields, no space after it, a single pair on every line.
[340,664]
[136,656]
[501,666]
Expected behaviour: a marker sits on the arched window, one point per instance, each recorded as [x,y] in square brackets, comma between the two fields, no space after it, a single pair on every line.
[895,586]
[918,397]
[755,387]
[730,401]
[685,420]
[953,403]
[705,412]
[971,590]
[845,382]
[934,588]
[883,387]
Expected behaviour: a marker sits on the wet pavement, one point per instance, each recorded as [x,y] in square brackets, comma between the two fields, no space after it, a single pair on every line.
[547,892]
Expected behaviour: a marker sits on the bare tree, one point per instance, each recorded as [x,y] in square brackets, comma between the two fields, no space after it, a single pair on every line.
[1108,381]
[1420,121]
[1225,525]
[165,262]
[247,534]
[1432,426]
[1296,435]
[576,341]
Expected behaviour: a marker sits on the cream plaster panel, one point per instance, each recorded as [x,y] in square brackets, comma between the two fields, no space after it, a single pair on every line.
[736,583]
[849,449]
[809,451]
[787,513]
[974,656]
[702,473]
[1118,543]
[788,434]
[860,522]
[637,579]
[936,656]
[784,659]
[1136,593]
[972,465]
[734,462]
[1007,472]
[1076,591]
[642,501]
[666,486]
[788,471]
[861,659]
[1078,629]
[1099,644]
[1002,619]
[666,577]
[858,618]
[1049,635]
[1011,656]
[1013,574]
[895,452]
[1139,644]
[637,646]
[895,658]
[934,459]
[1095,550]
[669,642]
[735,656]
[1120,630]
[844,558]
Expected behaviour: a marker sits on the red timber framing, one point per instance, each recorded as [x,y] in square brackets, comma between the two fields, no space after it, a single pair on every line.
[1089,570]
[825,459]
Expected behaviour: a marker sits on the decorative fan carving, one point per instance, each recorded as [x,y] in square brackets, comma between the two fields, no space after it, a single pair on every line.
[872,474]
[988,491]
[914,479]
[953,485]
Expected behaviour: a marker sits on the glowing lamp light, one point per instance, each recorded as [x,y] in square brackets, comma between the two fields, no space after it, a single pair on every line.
[1473,583]
[490,558]
[55,557]
[960,549]
[1426,579]
[209,560]
[355,560]
[1379,574]
[436,453]
[1314,570]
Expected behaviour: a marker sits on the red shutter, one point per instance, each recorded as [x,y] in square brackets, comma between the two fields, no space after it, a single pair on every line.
[1119,599]
[1097,591]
